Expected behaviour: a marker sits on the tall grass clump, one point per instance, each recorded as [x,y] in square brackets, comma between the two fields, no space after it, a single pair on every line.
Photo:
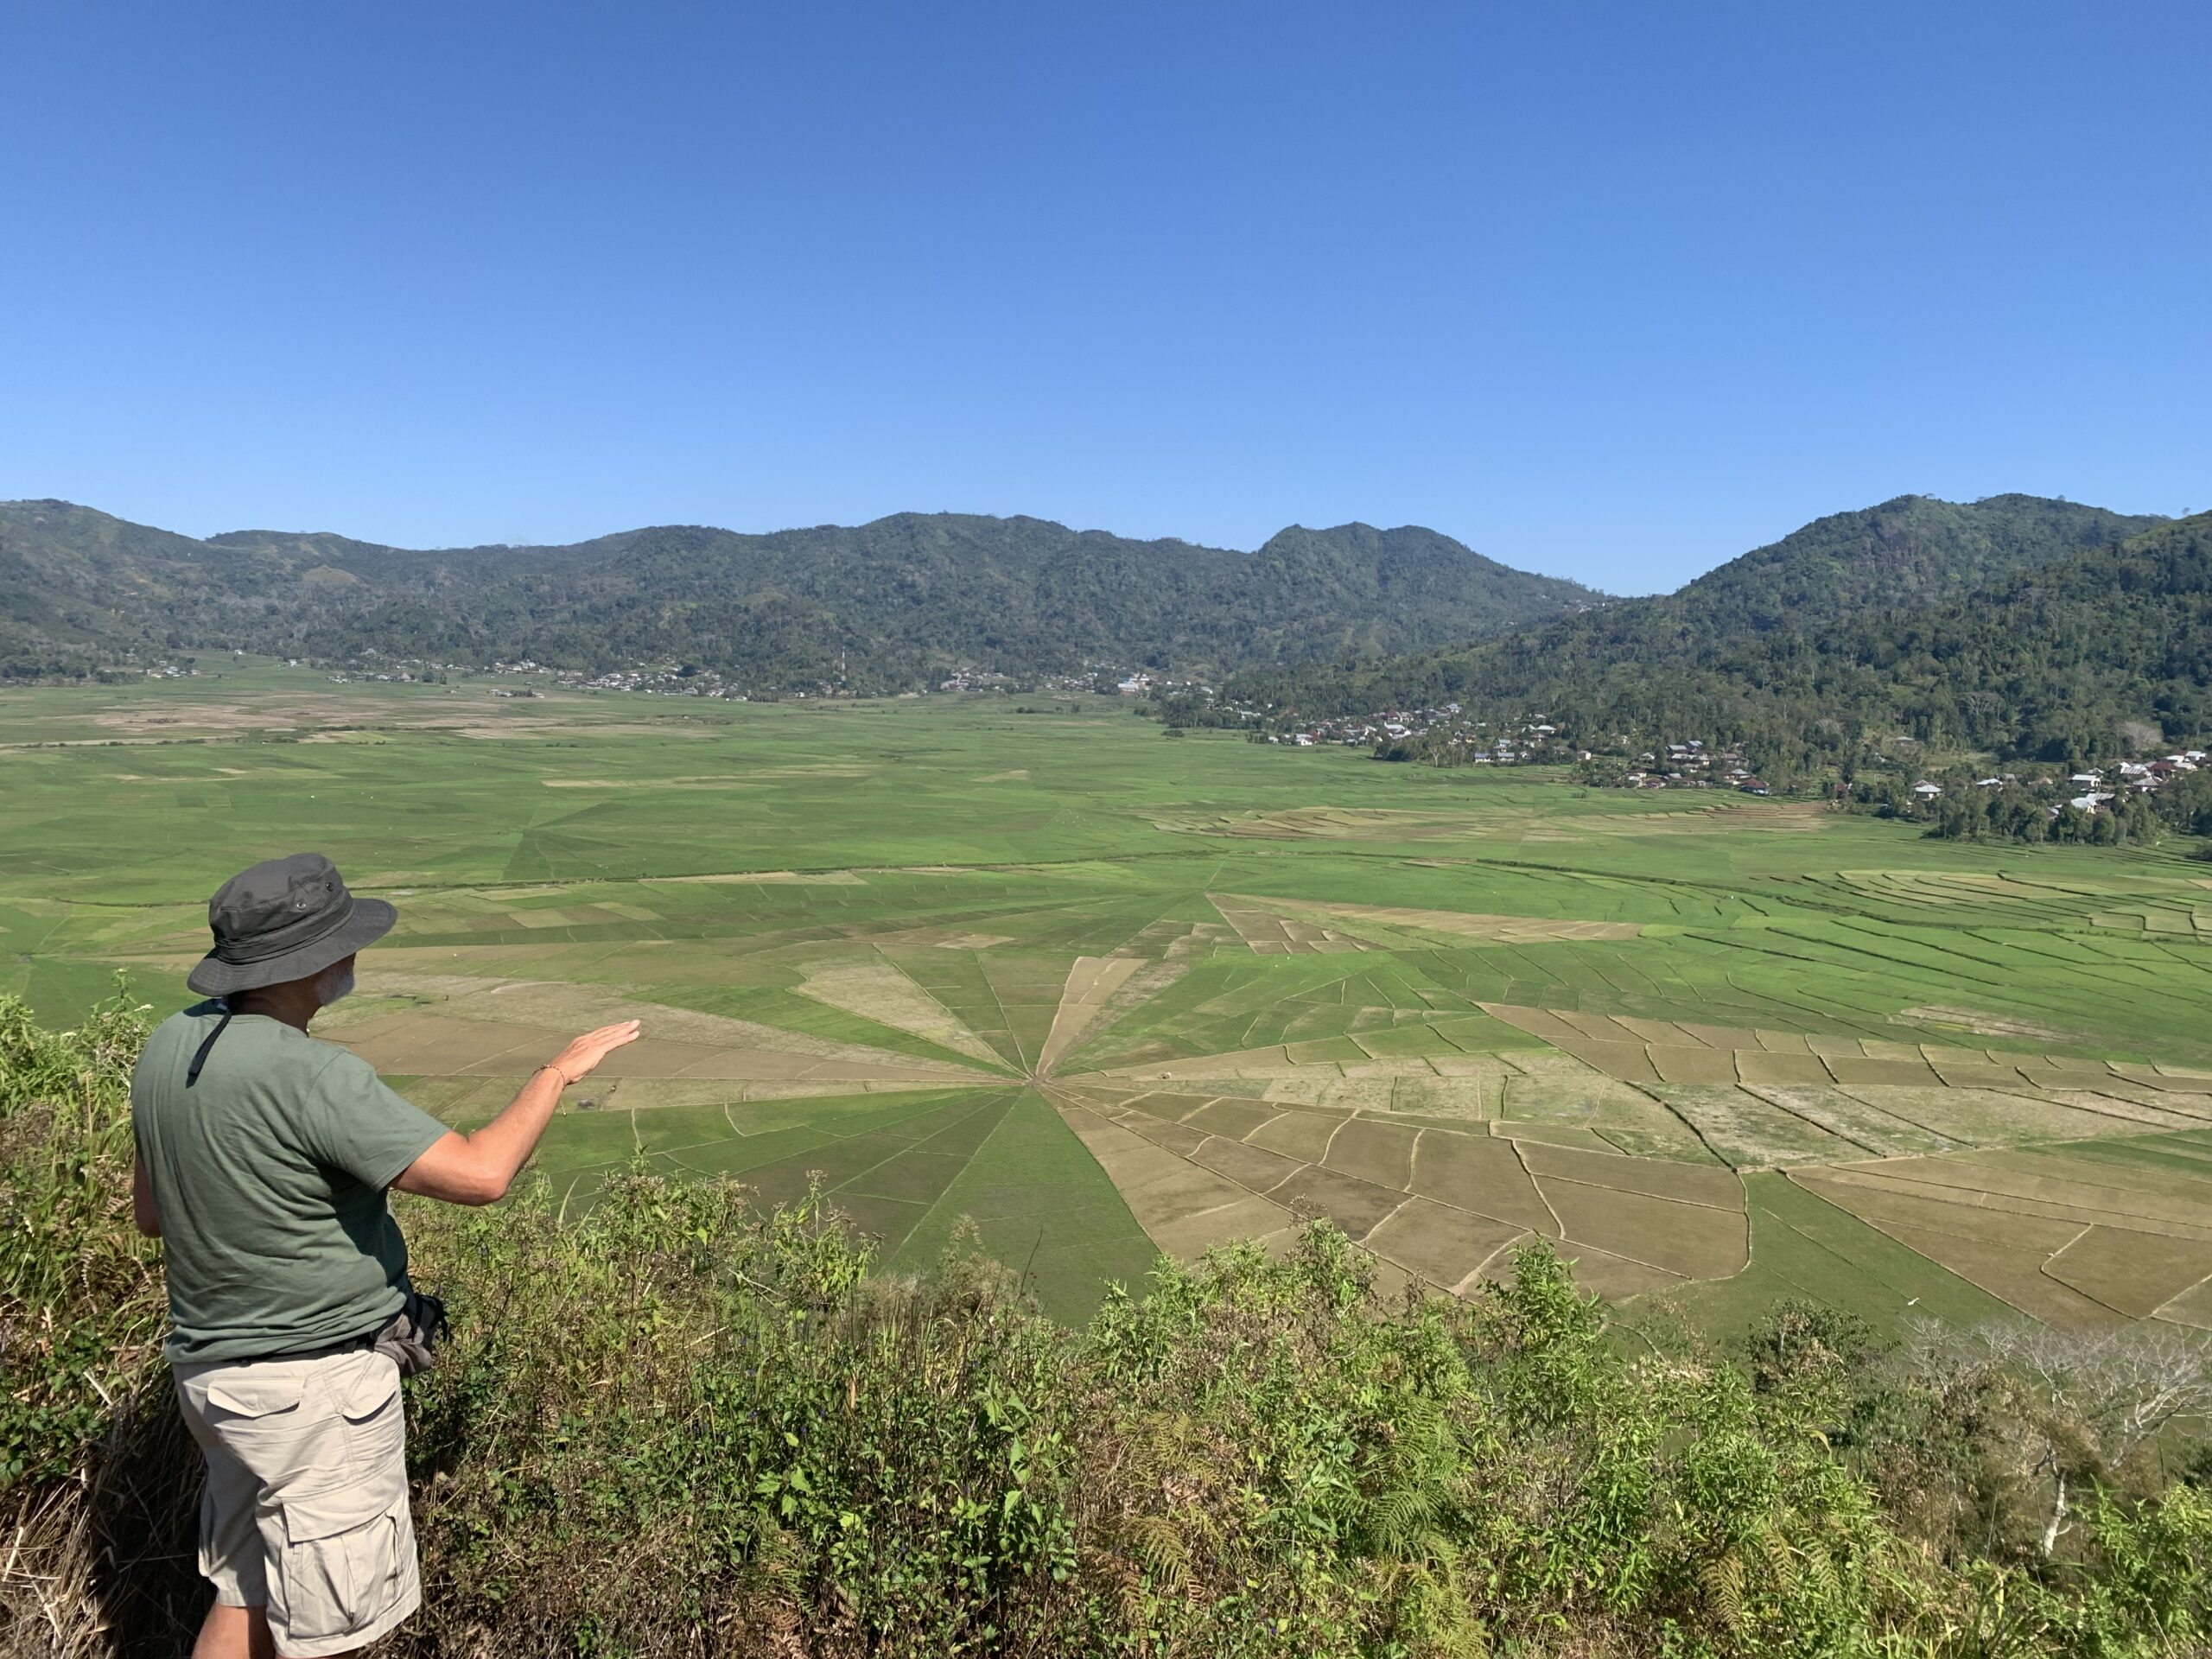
[673,1424]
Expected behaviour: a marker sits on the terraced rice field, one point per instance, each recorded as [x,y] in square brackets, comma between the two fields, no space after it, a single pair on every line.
[1104,996]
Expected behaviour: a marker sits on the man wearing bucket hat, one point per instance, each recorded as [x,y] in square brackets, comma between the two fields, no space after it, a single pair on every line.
[264,1160]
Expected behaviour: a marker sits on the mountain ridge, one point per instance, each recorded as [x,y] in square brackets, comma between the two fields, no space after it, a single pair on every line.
[1890,559]
[881,606]
[2051,653]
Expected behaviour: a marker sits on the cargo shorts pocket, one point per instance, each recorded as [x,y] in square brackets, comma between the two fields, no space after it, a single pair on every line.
[348,1560]
[376,1421]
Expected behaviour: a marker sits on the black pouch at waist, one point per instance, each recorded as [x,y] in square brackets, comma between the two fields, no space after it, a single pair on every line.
[411,1336]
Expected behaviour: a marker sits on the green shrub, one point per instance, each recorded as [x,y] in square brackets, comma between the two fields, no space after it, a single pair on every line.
[80,1292]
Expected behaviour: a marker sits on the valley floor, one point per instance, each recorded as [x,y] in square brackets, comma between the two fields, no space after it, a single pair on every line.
[1108,996]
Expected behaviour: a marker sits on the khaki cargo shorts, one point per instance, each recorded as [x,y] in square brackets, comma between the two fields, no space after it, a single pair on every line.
[305,1510]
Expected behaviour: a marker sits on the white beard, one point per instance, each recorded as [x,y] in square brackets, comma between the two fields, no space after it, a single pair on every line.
[334,984]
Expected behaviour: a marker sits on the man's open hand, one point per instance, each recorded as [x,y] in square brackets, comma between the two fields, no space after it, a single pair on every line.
[581,1056]
[478,1168]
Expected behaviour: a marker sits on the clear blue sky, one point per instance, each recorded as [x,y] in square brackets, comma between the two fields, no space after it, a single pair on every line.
[1613,290]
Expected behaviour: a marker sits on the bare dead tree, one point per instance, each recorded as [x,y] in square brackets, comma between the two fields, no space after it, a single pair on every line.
[2097,1395]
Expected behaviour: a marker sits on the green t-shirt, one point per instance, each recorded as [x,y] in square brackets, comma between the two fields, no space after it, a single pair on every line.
[270,1174]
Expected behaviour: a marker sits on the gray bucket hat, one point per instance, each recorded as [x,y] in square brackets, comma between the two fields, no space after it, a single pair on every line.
[284,920]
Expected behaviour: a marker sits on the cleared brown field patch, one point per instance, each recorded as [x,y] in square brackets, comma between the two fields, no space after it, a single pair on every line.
[2114,1094]
[1452,924]
[1323,823]
[1300,1134]
[428,1044]
[1252,1166]
[2057,1072]
[1875,1200]
[2006,1272]
[1901,1054]
[1234,1118]
[1615,1277]
[1269,934]
[874,989]
[1693,1241]
[1541,1023]
[1471,1172]
[745,1065]
[1468,1089]
[1990,1117]
[1551,1134]
[2180,1191]
[1177,1138]
[1381,1153]
[437,1045]
[2005,1251]
[1914,1073]
[1728,1037]
[1630,1062]
[1165,1103]
[1987,1024]
[1355,1205]
[1335,1053]
[1970,1201]
[1980,1075]
[1090,988]
[1711,1186]
[1940,1055]
[1750,1133]
[1598,1027]
[2192,1308]
[1445,1246]
[512,729]
[1716,1065]
[1347,1094]
[290,710]
[1848,1114]
[1570,1091]
[582,1008]
[1988,1182]
[1183,1209]
[1664,1137]
[1251,1062]
[2167,1080]
[2132,1273]
[1758,1066]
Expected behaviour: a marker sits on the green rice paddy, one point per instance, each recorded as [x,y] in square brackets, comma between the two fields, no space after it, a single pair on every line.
[1104,995]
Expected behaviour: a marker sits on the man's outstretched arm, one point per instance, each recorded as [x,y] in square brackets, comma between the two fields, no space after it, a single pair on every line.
[478,1168]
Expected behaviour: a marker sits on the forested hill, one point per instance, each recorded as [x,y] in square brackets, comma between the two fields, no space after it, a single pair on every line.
[1818,618]
[897,602]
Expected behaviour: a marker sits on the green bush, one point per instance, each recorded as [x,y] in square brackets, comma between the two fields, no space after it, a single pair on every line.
[674,1425]
[80,1292]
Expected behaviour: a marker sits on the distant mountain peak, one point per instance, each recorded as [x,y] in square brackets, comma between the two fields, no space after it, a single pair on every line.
[889,604]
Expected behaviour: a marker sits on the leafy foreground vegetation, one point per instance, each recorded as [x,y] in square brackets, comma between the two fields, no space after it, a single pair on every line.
[676,1425]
